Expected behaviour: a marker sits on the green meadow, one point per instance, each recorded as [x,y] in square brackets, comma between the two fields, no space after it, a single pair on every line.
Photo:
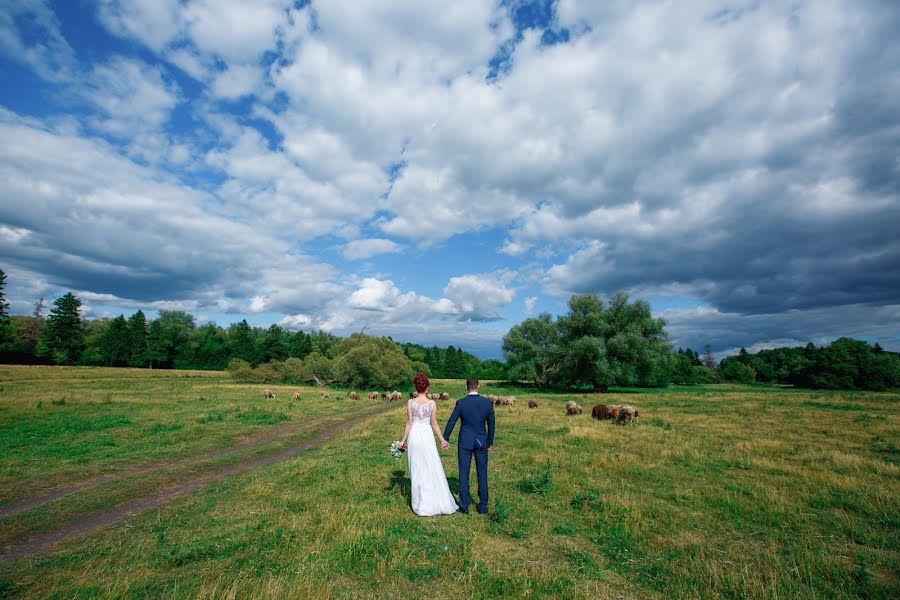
[716,491]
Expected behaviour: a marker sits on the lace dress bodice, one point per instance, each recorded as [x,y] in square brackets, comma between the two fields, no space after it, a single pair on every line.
[421,412]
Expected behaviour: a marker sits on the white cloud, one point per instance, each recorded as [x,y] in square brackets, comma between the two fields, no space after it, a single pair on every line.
[295,322]
[132,97]
[479,296]
[236,81]
[375,294]
[235,30]
[360,249]
[153,22]
[48,53]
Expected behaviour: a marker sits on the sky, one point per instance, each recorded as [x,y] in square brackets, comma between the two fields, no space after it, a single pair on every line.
[440,171]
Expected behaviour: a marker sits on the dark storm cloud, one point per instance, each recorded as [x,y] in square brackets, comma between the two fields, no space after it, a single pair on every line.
[780,202]
[726,332]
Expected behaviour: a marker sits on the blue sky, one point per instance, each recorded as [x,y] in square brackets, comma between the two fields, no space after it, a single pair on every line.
[439,172]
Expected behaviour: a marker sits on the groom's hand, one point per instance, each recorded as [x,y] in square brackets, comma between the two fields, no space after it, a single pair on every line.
[445,445]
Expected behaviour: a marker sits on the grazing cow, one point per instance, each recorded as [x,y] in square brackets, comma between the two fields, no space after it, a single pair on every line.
[505,401]
[572,408]
[395,395]
[385,396]
[325,395]
[296,396]
[532,403]
[373,395]
[354,396]
[445,396]
[412,395]
[267,393]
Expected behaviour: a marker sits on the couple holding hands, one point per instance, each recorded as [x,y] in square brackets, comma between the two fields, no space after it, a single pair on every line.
[428,484]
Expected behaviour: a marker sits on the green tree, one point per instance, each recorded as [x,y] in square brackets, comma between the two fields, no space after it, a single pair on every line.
[113,345]
[738,371]
[137,340]
[620,345]
[454,363]
[492,369]
[531,350]
[372,362]
[242,342]
[166,337]
[299,345]
[64,335]
[274,344]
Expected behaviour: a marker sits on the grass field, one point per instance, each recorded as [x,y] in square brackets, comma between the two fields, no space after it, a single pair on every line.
[719,491]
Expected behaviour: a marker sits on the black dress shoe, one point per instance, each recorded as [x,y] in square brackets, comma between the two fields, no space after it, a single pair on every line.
[464,511]
[482,512]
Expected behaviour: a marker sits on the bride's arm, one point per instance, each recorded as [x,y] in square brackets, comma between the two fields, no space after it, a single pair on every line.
[408,423]
[434,425]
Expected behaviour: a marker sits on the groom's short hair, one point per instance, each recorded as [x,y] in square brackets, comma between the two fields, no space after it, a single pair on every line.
[471,384]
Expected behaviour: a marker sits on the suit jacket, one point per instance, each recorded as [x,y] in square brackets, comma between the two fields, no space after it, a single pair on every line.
[476,416]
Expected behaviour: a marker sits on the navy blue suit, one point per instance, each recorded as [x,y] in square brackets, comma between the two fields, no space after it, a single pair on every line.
[476,435]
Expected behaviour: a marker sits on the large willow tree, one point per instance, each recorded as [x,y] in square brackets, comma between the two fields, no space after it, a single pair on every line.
[595,345]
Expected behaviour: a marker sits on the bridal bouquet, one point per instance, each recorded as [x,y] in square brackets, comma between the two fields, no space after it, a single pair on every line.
[397,449]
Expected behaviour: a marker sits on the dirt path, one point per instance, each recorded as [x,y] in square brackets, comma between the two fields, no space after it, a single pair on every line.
[267,436]
[81,526]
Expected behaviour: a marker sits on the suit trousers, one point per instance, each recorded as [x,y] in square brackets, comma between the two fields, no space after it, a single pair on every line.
[464,457]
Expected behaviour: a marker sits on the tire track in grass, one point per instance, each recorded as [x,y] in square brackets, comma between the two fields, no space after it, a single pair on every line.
[271,435]
[84,525]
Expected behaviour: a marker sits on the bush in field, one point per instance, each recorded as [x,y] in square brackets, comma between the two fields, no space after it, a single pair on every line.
[373,362]
[240,370]
[738,372]
[362,362]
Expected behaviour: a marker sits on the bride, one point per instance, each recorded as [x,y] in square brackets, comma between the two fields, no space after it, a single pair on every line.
[430,492]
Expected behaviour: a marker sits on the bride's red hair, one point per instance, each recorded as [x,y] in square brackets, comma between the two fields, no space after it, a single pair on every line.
[421,382]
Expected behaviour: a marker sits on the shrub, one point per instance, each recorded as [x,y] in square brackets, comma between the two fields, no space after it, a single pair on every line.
[738,372]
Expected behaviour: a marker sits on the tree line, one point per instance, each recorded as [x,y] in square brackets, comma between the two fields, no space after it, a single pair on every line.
[174,340]
[844,364]
[594,345]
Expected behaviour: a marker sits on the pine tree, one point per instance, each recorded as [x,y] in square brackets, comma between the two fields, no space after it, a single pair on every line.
[242,342]
[114,348]
[64,335]
[137,340]
[273,345]
[300,345]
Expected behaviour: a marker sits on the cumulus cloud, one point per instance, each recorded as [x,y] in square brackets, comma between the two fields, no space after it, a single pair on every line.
[124,231]
[479,296]
[130,95]
[359,249]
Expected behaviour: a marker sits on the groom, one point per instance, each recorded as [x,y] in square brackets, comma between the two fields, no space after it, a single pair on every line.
[474,411]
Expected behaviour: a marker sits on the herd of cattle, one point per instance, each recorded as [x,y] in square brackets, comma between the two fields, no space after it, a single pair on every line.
[620,413]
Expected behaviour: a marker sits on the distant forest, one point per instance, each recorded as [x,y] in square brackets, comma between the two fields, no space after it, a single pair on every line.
[174,341]
[586,347]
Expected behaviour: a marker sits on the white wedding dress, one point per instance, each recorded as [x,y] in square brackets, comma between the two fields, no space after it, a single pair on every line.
[430,491]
